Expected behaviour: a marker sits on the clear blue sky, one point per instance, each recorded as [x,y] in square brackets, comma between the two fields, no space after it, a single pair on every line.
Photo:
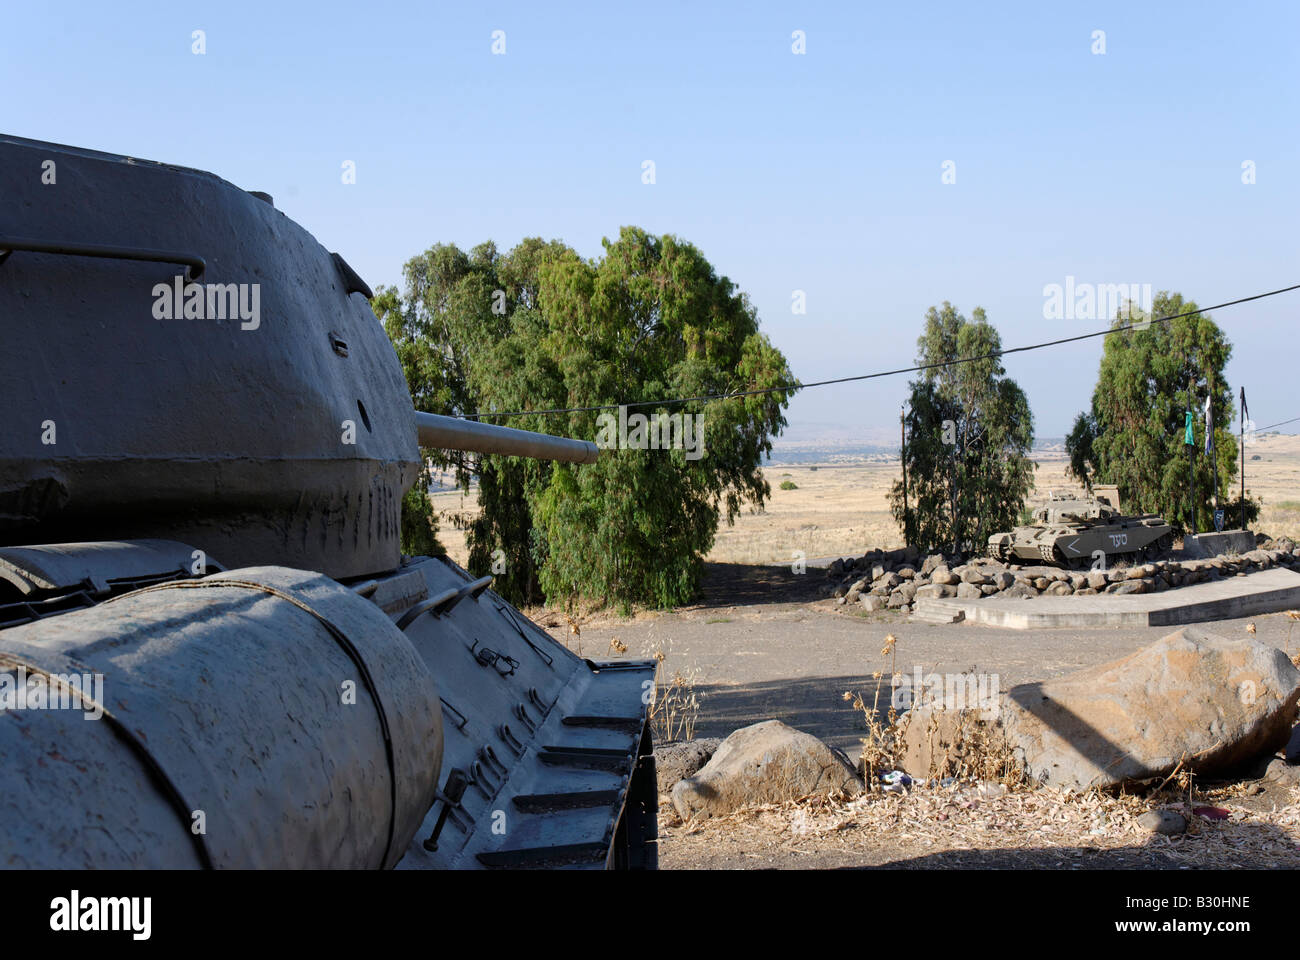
[819,172]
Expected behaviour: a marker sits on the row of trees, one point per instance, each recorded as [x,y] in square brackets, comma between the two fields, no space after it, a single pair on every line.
[542,328]
[969,429]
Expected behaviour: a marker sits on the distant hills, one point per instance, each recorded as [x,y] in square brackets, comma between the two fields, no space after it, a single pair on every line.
[871,446]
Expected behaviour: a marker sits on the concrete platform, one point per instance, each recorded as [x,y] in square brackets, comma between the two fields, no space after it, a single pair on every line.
[1267,591]
[1217,544]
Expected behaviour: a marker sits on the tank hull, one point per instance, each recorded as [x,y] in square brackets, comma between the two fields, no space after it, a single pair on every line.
[1080,546]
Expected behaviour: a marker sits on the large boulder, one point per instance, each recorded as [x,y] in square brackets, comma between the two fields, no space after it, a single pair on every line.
[1211,702]
[767,762]
[675,762]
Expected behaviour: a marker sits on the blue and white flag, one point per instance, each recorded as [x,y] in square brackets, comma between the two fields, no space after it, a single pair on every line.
[1209,428]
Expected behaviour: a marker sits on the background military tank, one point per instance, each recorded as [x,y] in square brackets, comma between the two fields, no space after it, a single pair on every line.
[207,440]
[1068,531]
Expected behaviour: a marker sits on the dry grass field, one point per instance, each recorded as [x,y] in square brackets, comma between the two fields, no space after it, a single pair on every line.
[841,509]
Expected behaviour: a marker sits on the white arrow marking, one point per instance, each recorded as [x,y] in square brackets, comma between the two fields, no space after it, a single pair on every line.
[1071,546]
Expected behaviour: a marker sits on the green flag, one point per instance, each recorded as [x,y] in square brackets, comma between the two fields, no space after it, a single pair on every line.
[1187,437]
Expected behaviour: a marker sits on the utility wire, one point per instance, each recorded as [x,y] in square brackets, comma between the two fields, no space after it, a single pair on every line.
[1272,425]
[794,388]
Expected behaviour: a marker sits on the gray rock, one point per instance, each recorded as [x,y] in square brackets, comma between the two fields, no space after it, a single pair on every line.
[905,573]
[871,602]
[1125,586]
[1097,579]
[1020,590]
[887,582]
[1059,589]
[897,600]
[1165,822]
[1003,579]
[943,575]
[940,590]
[975,575]
[968,591]
[1279,771]
[677,761]
[930,562]
[767,762]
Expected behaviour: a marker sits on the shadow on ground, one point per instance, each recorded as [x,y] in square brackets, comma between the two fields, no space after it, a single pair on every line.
[743,584]
[814,705]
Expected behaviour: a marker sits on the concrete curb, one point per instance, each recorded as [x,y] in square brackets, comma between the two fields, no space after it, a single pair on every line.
[1267,591]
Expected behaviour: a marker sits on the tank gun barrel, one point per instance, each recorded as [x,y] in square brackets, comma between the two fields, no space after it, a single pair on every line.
[451,433]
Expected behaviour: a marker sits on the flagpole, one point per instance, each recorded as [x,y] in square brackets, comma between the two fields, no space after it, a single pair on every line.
[1190,441]
[902,434]
[1209,449]
[1243,456]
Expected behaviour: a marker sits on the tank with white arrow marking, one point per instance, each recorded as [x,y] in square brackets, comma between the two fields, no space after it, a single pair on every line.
[1071,531]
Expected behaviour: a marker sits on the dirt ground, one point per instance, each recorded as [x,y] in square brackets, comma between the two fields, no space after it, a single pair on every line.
[762,644]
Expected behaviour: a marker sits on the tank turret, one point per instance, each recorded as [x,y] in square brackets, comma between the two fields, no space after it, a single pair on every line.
[208,437]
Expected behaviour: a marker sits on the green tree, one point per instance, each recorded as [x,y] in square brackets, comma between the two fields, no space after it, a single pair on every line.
[1133,433]
[427,379]
[969,433]
[541,328]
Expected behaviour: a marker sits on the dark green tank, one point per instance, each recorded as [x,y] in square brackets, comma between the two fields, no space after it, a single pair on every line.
[1076,532]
